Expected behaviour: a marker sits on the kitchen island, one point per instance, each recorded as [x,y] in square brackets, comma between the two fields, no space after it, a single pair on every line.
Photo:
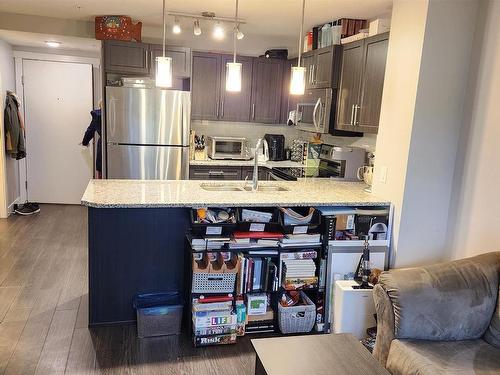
[137,230]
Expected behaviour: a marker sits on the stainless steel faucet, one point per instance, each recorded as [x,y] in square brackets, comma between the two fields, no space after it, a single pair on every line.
[255,178]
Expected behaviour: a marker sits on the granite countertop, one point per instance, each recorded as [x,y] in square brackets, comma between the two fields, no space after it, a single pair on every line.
[247,163]
[189,193]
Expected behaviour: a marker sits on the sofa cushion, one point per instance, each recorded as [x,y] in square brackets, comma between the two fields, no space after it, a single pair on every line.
[420,357]
[492,334]
[447,301]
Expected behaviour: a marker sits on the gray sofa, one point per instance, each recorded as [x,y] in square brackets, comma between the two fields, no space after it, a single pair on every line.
[440,319]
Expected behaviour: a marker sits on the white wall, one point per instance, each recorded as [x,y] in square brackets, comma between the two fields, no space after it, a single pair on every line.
[475,219]
[422,111]
[398,103]
[9,168]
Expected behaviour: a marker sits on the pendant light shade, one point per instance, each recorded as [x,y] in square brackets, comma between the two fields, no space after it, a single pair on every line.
[298,81]
[164,63]
[233,69]
[163,72]
[233,76]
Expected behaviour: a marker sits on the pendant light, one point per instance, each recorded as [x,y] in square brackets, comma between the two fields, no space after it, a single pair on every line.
[297,81]
[164,63]
[233,69]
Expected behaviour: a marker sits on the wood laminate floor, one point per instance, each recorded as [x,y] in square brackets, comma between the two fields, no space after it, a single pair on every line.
[44,304]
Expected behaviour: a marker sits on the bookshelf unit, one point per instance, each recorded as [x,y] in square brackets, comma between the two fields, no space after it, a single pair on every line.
[319,293]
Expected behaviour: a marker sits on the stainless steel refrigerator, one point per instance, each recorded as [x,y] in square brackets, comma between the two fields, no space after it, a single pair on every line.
[147,133]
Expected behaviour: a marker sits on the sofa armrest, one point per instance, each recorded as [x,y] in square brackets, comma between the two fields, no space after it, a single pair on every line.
[385,324]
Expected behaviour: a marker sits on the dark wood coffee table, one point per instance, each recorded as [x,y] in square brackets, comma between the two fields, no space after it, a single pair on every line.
[339,354]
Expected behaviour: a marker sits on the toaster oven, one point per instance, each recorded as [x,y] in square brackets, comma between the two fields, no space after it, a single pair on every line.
[234,148]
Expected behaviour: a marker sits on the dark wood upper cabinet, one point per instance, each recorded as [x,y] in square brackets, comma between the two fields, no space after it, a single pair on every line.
[126,57]
[322,67]
[205,86]
[368,115]
[181,60]
[235,106]
[361,84]
[350,81]
[266,90]
[307,62]
[285,95]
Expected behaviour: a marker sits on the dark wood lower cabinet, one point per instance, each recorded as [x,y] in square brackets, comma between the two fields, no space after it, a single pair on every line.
[214,173]
[226,173]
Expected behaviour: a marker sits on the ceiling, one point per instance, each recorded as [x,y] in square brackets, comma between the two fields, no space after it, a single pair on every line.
[36,40]
[263,17]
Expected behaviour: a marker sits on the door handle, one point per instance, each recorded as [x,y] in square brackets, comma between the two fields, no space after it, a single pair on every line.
[253,111]
[352,115]
[315,111]
[217,108]
[146,57]
[222,109]
[314,74]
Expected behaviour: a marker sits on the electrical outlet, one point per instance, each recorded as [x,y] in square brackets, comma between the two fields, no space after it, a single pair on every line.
[383,174]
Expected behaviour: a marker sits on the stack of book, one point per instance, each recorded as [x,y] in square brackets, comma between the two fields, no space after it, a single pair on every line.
[244,240]
[291,240]
[214,322]
[257,274]
[299,270]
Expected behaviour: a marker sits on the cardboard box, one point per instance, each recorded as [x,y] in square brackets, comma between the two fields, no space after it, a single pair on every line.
[379,26]
[345,222]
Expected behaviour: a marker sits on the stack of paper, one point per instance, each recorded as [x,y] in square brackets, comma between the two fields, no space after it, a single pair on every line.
[300,239]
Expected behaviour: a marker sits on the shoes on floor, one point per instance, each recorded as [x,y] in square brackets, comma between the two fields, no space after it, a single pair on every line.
[27,209]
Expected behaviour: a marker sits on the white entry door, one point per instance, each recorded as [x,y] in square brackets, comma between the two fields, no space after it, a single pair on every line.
[57,105]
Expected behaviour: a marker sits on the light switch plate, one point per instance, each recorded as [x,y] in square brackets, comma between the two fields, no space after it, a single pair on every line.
[383,174]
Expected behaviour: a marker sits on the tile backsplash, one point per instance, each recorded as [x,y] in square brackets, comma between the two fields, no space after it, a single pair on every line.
[254,131]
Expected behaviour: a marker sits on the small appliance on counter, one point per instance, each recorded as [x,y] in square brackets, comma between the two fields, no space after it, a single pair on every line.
[233,148]
[276,144]
[341,162]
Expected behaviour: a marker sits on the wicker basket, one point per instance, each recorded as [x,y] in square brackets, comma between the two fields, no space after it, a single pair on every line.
[297,319]
[213,282]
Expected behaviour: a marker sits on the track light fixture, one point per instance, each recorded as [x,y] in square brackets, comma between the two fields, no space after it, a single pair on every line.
[176,29]
[196,28]
[220,24]
[218,32]
[239,33]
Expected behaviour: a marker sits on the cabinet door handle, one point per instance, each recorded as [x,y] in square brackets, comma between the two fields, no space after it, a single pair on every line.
[313,81]
[356,108]
[216,173]
[222,109]
[352,115]
[217,108]
[310,73]
[253,111]
[146,57]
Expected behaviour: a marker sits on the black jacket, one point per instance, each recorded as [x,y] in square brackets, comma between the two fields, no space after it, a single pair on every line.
[94,127]
[14,131]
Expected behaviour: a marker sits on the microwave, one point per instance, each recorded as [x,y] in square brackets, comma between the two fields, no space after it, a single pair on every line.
[315,112]
[234,148]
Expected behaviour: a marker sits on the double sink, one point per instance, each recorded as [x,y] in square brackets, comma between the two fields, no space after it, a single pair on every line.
[211,186]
